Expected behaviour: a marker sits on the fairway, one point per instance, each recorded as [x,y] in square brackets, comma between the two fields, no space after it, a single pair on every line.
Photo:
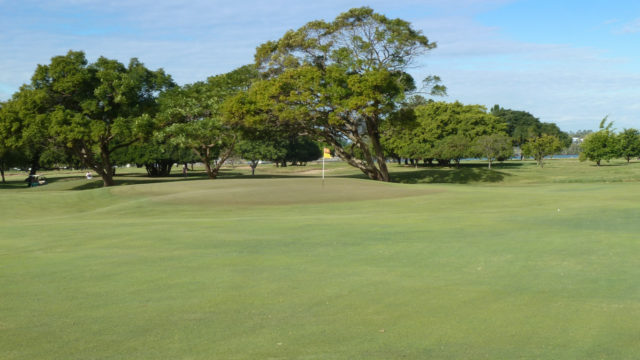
[497,265]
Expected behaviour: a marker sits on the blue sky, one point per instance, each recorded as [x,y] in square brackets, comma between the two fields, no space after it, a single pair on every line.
[569,62]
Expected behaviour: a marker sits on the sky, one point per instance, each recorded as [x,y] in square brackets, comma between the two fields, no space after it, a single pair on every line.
[569,62]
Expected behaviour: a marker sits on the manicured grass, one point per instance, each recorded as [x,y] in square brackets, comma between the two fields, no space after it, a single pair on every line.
[516,263]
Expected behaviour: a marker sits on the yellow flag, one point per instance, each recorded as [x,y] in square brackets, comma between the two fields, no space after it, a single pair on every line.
[327,153]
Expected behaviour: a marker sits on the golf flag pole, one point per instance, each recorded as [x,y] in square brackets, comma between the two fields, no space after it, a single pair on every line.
[326,154]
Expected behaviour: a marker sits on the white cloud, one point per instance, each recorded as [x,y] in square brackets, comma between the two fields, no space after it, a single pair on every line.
[631,27]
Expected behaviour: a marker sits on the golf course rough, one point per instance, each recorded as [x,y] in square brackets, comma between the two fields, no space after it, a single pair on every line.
[291,268]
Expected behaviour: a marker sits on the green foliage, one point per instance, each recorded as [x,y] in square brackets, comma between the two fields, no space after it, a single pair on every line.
[191,117]
[301,149]
[419,132]
[522,127]
[493,146]
[541,146]
[600,145]
[277,147]
[629,144]
[453,147]
[156,156]
[256,150]
[337,80]
[24,125]
[95,109]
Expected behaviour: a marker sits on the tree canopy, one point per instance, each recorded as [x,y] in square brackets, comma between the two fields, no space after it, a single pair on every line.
[191,117]
[433,130]
[629,144]
[493,147]
[337,81]
[539,147]
[95,109]
[523,127]
[600,145]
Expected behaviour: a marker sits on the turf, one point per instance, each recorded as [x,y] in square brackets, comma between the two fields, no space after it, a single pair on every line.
[531,264]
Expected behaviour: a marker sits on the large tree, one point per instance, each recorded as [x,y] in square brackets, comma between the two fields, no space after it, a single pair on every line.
[191,117]
[95,109]
[337,81]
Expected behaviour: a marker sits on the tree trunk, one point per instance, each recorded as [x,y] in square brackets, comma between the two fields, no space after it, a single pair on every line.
[253,164]
[108,171]
[489,163]
[207,165]
[374,135]
[35,164]
[2,172]
[107,181]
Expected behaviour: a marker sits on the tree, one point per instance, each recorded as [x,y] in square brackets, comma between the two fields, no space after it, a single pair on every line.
[600,145]
[256,150]
[156,155]
[453,147]
[301,149]
[11,158]
[95,109]
[522,127]
[420,135]
[24,125]
[629,144]
[191,117]
[337,81]
[493,146]
[541,146]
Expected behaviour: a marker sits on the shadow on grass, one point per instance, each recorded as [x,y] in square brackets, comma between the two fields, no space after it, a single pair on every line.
[139,179]
[465,165]
[463,175]
[17,182]
[467,173]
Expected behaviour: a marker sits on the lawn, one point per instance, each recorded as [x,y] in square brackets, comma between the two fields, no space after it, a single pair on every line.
[514,263]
